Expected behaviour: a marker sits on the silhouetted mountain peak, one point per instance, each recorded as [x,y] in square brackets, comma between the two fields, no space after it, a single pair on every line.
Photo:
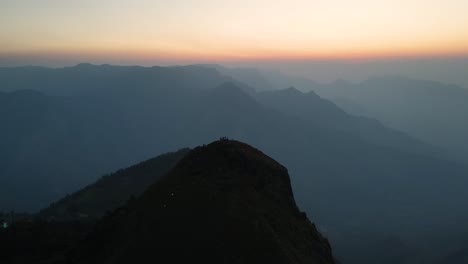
[292,90]
[84,65]
[246,166]
[291,98]
[225,202]
[210,65]
[293,93]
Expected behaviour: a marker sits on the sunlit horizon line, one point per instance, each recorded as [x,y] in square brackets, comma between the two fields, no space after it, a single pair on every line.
[148,56]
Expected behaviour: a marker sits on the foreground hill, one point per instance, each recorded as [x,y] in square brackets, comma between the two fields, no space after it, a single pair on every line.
[223,203]
[226,202]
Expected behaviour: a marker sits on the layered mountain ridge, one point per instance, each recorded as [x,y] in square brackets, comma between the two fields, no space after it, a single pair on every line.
[354,175]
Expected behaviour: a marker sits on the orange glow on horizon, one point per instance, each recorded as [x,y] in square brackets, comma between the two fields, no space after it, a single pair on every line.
[209,30]
[240,55]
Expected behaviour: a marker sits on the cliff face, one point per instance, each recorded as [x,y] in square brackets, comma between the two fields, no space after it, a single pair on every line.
[223,203]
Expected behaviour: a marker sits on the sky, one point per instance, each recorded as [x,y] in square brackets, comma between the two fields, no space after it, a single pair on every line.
[233,30]
[331,39]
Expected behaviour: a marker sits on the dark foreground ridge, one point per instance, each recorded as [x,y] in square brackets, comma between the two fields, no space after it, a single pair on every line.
[223,203]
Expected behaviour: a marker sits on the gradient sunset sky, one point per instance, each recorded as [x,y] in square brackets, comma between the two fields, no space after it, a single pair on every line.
[208,30]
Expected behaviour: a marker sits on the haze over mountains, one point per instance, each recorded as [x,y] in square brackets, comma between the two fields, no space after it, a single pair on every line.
[369,186]
[431,111]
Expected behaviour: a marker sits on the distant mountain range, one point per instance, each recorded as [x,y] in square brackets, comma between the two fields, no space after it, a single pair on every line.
[431,111]
[325,114]
[353,174]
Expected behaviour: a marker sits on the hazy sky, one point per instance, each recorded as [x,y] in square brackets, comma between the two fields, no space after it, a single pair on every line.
[230,30]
